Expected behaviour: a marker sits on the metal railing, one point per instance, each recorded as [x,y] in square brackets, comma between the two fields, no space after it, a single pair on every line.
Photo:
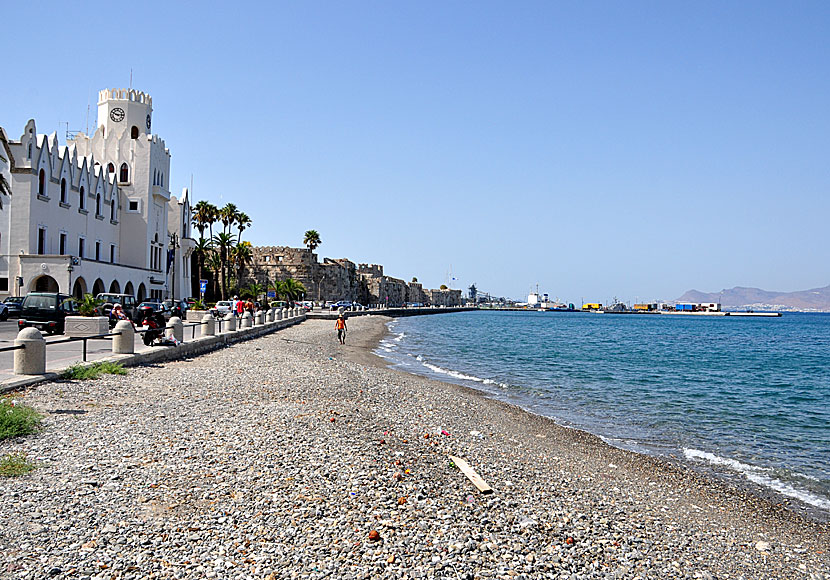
[104,336]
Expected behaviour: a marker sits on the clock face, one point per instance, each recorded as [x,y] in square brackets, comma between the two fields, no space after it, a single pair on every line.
[148,122]
[117,114]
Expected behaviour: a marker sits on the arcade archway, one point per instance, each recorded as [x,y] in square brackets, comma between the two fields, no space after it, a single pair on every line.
[45,284]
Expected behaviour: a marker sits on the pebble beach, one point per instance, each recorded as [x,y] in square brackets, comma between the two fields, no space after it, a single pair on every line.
[291,456]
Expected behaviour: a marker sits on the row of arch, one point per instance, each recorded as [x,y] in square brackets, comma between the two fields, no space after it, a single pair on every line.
[46,283]
[41,190]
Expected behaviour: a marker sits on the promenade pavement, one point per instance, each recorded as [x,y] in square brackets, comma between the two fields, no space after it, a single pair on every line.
[60,356]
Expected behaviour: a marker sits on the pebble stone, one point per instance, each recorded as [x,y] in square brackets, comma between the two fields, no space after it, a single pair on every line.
[276,457]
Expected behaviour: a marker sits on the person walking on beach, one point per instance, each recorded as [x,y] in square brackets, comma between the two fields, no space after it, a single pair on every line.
[340,326]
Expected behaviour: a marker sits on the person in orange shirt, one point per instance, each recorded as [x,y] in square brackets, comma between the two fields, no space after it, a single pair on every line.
[340,327]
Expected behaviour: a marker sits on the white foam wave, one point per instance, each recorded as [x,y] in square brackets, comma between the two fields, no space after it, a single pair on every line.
[758,475]
[461,376]
[399,337]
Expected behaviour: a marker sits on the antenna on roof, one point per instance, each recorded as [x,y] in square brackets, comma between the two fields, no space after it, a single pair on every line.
[131,78]
[87,113]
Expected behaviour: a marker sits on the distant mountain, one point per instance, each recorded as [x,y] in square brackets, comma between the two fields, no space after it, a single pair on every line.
[740,297]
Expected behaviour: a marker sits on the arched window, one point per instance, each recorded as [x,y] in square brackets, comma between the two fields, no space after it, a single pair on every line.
[161,180]
[41,182]
[29,156]
[110,168]
[63,191]
[82,199]
[134,132]
[125,173]
[98,204]
[112,207]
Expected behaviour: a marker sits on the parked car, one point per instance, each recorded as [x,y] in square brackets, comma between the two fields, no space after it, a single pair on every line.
[46,311]
[4,312]
[176,307]
[156,306]
[127,301]
[347,304]
[221,308]
[306,304]
[13,305]
[278,304]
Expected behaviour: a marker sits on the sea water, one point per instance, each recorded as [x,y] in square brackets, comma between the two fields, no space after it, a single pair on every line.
[748,398]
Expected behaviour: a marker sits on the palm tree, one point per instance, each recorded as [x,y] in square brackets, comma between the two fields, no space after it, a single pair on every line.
[293,289]
[224,243]
[241,255]
[243,222]
[214,264]
[278,288]
[312,240]
[255,289]
[227,215]
[204,214]
[202,248]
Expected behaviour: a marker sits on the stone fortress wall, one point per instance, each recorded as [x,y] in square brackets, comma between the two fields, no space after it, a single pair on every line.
[340,279]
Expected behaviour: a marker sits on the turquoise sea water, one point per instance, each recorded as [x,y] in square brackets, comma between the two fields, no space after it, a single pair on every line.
[746,397]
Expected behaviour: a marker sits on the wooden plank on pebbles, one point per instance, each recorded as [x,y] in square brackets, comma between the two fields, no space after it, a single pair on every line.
[471,475]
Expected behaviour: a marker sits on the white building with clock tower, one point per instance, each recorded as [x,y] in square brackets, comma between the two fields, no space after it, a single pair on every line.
[99,208]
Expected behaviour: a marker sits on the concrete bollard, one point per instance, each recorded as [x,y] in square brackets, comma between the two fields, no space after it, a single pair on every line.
[272,314]
[230,322]
[258,318]
[341,310]
[175,328]
[247,320]
[208,325]
[279,314]
[123,343]
[32,359]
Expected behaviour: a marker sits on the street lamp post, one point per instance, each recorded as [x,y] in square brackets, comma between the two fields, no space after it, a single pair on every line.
[174,244]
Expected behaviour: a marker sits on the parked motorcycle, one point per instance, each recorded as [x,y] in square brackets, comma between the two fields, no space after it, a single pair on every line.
[154,322]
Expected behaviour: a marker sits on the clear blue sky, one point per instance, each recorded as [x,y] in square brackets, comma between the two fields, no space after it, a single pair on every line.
[635,149]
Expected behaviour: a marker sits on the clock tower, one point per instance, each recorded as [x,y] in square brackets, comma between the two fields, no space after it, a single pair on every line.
[124,110]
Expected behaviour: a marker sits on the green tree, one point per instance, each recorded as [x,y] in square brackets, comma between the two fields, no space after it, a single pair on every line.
[204,215]
[444,287]
[224,244]
[312,240]
[293,289]
[255,290]
[201,250]
[89,305]
[243,222]
[241,255]
[227,215]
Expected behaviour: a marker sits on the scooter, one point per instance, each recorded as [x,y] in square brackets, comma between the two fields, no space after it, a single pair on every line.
[155,323]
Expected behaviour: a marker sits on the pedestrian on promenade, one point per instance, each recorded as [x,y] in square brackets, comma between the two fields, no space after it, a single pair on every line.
[340,327]
[240,308]
[117,314]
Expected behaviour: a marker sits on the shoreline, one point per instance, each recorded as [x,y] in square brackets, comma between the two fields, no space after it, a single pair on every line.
[723,477]
[276,457]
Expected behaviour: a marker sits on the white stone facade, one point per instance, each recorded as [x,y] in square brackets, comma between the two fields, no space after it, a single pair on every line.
[95,215]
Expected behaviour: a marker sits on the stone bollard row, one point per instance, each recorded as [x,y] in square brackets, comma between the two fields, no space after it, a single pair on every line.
[124,340]
[175,328]
[247,320]
[258,318]
[208,325]
[30,360]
